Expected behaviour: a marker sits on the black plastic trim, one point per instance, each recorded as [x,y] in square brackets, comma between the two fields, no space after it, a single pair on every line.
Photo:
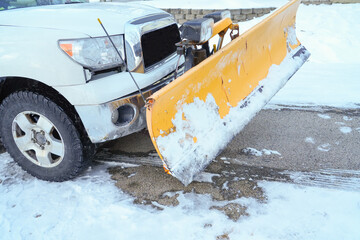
[150,18]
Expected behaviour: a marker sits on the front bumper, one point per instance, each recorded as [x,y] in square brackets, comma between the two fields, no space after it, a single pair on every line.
[97,119]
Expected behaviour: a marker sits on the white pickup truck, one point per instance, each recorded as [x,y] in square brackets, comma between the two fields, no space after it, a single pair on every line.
[67,83]
[64,88]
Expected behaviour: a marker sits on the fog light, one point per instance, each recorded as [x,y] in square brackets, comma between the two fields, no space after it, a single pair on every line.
[124,115]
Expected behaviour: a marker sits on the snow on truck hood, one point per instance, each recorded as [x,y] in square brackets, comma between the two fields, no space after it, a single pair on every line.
[80,17]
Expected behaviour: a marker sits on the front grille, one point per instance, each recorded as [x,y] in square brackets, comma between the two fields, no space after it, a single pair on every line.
[159,44]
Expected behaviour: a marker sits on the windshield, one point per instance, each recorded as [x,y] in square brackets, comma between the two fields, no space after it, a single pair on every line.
[13,4]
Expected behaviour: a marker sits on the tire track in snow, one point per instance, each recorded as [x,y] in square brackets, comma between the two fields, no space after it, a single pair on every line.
[328,178]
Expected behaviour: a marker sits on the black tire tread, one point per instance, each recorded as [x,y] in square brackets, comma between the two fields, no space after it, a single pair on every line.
[79,165]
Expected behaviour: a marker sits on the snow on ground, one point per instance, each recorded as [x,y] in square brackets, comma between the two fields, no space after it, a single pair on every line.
[296,212]
[345,130]
[324,116]
[259,153]
[310,140]
[91,207]
[324,147]
[331,76]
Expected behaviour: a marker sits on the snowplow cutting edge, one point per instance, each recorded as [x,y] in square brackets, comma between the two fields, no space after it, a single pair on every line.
[194,117]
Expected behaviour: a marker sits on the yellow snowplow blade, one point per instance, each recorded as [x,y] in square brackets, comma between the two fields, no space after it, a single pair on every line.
[193,118]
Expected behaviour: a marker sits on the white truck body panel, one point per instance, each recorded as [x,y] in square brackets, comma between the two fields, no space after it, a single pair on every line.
[114,86]
[34,53]
[29,49]
[81,18]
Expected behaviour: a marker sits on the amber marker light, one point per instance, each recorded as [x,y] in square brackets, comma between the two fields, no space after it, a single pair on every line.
[67,47]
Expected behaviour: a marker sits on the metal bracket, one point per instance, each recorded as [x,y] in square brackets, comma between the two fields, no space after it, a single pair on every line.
[234,27]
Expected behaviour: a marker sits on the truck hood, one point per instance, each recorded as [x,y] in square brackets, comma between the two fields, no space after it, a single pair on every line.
[81,18]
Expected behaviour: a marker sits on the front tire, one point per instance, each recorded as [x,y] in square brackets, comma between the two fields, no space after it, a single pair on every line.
[40,137]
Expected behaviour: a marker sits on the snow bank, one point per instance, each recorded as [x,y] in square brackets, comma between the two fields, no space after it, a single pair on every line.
[331,76]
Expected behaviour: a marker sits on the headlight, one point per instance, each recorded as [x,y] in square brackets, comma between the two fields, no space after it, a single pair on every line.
[95,53]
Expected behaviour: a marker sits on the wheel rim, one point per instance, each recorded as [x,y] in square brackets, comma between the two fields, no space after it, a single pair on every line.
[38,139]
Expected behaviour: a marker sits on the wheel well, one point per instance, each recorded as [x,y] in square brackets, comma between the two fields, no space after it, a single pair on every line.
[10,85]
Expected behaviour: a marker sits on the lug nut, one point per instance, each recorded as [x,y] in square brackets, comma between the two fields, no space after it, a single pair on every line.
[47,142]
[42,132]
[33,140]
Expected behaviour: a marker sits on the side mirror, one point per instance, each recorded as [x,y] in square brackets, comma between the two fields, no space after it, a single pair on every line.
[197,31]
